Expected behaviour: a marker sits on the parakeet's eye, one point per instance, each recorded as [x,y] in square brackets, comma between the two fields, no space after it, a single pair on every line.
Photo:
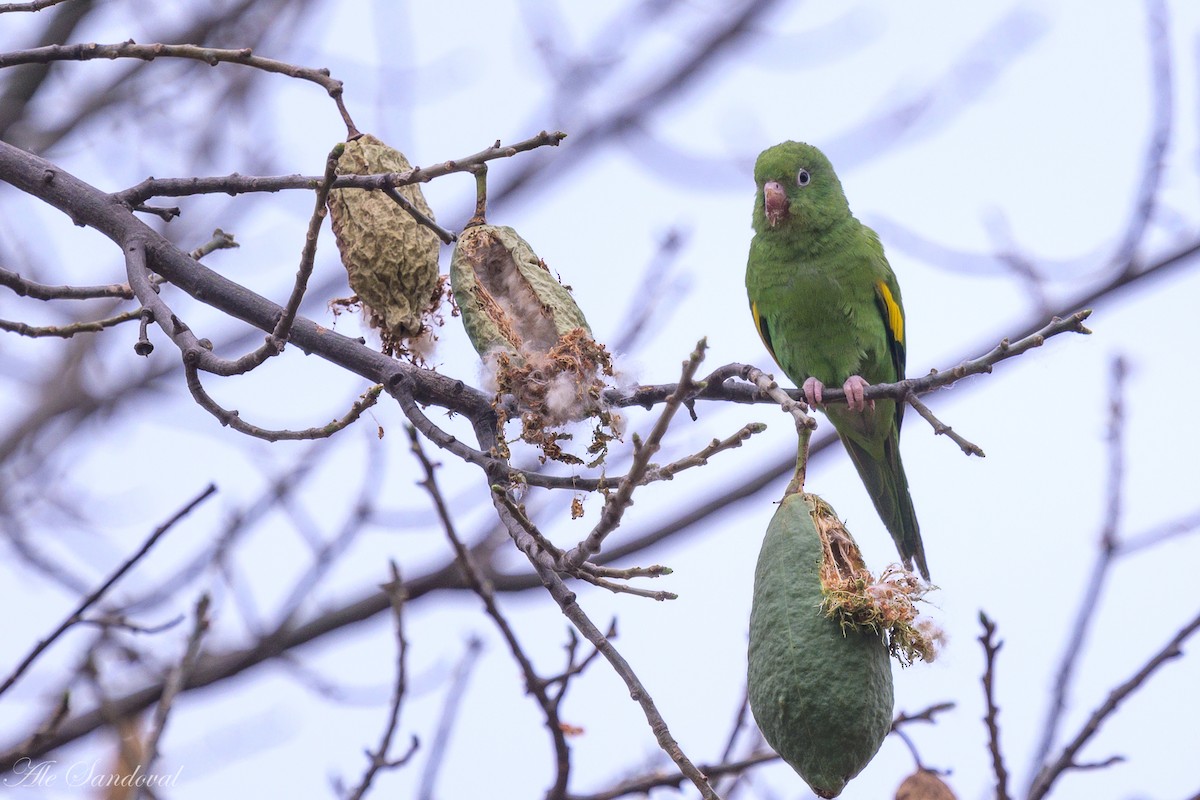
[803,178]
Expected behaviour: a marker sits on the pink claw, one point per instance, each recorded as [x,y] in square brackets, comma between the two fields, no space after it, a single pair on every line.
[854,388]
[812,391]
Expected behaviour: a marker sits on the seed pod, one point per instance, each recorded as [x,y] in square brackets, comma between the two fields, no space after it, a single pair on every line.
[924,785]
[820,692]
[533,339]
[508,298]
[391,259]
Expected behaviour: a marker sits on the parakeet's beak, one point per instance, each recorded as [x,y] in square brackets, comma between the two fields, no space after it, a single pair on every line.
[776,201]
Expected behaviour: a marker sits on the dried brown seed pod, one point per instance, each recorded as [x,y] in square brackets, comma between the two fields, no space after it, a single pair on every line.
[391,258]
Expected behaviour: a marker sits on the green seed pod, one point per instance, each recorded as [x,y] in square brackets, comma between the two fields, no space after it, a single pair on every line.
[508,298]
[391,259]
[820,692]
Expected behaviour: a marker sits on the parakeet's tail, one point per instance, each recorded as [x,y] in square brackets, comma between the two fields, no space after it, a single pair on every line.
[888,487]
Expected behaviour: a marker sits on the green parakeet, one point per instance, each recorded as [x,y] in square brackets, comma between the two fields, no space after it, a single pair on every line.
[827,305]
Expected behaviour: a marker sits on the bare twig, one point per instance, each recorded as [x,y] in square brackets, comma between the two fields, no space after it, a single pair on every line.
[69,330]
[622,498]
[529,540]
[401,391]
[766,385]
[926,715]
[566,601]
[220,241]
[991,647]
[652,473]
[23,287]
[239,184]
[940,428]
[201,357]
[976,366]
[563,679]
[76,615]
[282,328]
[621,588]
[233,420]
[32,5]
[447,237]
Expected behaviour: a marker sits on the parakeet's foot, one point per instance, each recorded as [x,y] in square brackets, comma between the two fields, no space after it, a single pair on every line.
[854,388]
[812,389]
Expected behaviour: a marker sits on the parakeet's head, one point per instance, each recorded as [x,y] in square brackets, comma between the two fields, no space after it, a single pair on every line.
[798,191]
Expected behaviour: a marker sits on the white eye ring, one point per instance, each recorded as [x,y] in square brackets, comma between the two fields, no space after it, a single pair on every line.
[803,178]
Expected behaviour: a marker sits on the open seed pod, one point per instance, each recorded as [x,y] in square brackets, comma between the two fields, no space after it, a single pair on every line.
[532,337]
[508,298]
[821,693]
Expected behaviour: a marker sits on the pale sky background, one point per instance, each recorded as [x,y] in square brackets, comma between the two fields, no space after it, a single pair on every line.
[1043,138]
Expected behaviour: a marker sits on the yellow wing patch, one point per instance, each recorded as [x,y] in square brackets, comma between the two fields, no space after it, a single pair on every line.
[760,325]
[893,318]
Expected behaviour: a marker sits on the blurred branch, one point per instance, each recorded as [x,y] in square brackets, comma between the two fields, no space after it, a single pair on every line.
[1162,122]
[176,680]
[1183,526]
[25,84]
[927,715]
[77,615]
[441,737]
[379,759]
[920,114]
[1045,779]
[209,55]
[1106,552]
[699,52]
